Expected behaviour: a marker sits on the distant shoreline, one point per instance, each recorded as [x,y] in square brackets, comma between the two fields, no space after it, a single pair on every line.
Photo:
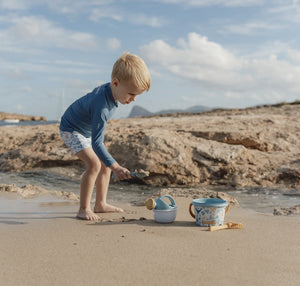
[138,111]
[20,117]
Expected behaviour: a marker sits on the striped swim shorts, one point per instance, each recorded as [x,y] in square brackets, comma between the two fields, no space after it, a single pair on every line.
[75,141]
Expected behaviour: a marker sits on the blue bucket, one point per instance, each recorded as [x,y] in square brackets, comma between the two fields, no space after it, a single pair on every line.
[209,211]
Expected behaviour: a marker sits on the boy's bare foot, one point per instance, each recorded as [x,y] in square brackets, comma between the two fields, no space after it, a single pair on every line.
[87,215]
[107,208]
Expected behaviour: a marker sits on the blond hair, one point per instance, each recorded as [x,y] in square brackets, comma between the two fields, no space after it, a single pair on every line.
[130,67]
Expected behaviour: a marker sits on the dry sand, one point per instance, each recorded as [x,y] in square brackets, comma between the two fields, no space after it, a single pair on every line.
[42,244]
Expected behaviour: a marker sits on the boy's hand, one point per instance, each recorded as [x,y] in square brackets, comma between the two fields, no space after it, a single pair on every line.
[120,172]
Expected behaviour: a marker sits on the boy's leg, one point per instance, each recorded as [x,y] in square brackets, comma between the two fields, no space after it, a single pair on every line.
[102,183]
[88,180]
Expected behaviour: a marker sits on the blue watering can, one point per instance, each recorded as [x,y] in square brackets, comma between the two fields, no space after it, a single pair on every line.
[160,204]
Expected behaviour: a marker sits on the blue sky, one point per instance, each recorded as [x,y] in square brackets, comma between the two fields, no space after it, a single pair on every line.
[217,53]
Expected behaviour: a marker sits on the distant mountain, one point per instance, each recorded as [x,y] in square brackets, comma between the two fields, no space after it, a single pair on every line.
[138,111]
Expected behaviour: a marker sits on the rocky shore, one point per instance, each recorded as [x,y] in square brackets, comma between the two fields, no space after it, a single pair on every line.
[238,147]
[251,147]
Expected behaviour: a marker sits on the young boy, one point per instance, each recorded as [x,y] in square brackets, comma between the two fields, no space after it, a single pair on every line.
[82,129]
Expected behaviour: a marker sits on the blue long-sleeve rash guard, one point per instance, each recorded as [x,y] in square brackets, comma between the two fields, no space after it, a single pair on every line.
[88,116]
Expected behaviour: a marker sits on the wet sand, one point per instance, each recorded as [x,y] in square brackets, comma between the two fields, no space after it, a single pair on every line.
[43,244]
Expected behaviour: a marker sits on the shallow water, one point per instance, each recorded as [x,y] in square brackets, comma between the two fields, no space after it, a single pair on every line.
[258,199]
[117,192]
[266,199]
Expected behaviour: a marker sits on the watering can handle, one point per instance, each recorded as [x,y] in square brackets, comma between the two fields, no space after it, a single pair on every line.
[190,210]
[170,198]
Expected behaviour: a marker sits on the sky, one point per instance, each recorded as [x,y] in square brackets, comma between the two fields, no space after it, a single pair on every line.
[216,53]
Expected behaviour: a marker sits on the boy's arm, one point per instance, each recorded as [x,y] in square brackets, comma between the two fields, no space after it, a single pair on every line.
[99,116]
[98,130]
[99,120]
[120,172]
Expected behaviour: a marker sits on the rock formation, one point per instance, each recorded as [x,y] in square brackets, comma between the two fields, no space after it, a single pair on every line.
[238,147]
[295,210]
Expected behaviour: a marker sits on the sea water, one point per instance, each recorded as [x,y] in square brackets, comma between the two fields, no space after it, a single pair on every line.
[23,123]
[263,199]
[260,199]
[50,181]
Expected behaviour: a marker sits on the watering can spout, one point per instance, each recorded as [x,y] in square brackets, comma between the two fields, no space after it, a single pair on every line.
[150,204]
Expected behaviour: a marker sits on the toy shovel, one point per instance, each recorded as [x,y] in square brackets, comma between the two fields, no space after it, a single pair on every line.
[229,225]
[136,174]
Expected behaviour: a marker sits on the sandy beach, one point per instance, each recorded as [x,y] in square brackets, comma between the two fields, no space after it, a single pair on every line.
[43,244]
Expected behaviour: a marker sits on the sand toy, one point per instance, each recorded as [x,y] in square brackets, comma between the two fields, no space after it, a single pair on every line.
[209,211]
[136,174]
[229,225]
[163,212]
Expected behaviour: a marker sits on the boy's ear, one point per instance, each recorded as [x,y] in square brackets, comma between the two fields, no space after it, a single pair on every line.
[115,82]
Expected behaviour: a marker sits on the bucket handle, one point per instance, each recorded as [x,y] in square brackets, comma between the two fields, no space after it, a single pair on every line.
[191,212]
[227,208]
[170,198]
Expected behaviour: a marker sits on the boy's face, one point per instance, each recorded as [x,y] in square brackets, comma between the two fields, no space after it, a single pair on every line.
[125,92]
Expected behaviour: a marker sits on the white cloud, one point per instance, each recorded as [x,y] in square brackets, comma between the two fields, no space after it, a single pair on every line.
[232,95]
[251,28]
[29,70]
[287,10]
[95,10]
[39,32]
[143,19]
[275,75]
[20,107]
[60,6]
[75,83]
[121,16]
[232,3]
[82,6]
[26,89]
[68,63]
[13,4]
[294,55]
[215,68]
[113,44]
[105,12]
[13,72]
[196,59]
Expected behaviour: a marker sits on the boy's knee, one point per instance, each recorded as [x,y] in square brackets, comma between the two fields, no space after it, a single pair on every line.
[94,167]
